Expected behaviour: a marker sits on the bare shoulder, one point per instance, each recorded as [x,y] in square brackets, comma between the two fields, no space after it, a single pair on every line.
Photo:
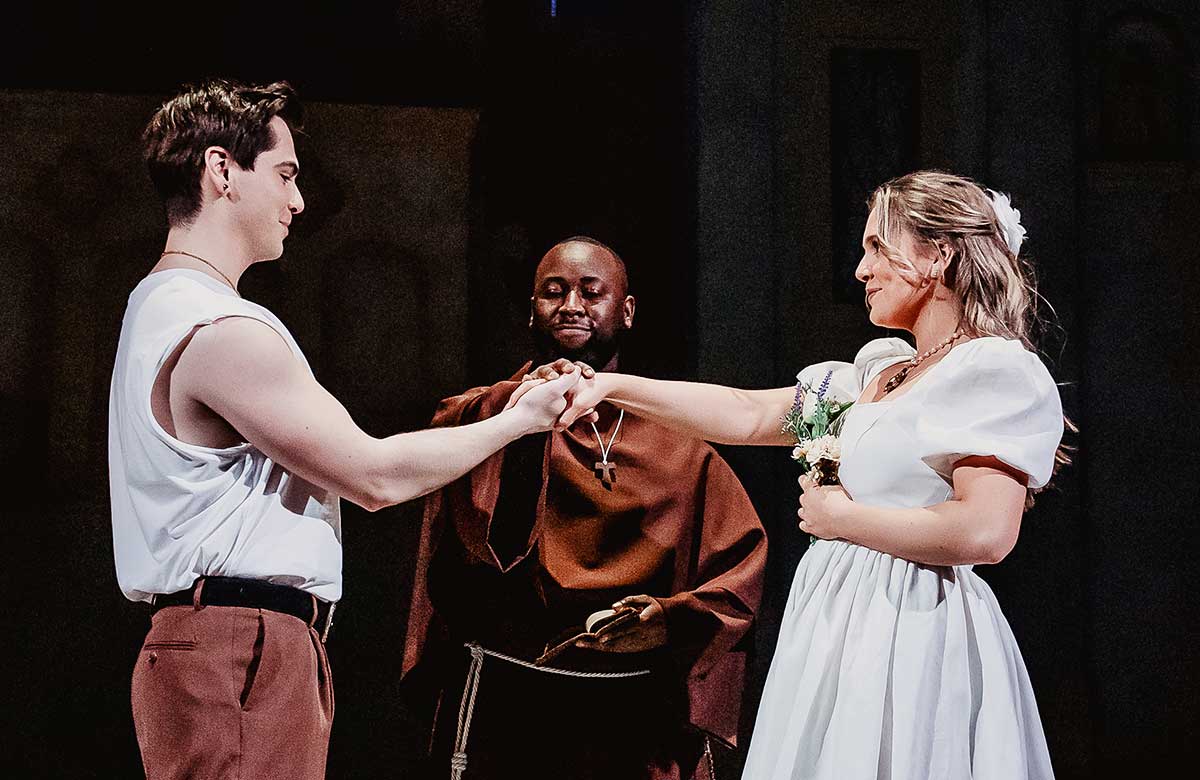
[235,352]
[240,338]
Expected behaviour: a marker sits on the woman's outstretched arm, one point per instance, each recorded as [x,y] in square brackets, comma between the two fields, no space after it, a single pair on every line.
[716,413]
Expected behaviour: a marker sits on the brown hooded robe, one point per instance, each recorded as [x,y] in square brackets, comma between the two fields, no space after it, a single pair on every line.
[515,555]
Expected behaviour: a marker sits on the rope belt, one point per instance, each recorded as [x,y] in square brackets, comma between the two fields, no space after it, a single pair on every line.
[458,761]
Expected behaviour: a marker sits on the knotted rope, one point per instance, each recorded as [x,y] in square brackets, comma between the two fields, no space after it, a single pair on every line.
[458,761]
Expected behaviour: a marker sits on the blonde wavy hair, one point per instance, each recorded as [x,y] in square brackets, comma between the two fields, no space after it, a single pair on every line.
[955,215]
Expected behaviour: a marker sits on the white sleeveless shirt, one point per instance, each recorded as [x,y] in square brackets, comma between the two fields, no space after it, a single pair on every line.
[179,510]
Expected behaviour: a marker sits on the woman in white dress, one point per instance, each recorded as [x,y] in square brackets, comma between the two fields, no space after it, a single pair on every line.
[894,660]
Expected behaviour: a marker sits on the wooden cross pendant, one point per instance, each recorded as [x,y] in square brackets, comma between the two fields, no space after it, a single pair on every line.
[606,472]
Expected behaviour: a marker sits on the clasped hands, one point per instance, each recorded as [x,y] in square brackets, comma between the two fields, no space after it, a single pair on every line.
[581,398]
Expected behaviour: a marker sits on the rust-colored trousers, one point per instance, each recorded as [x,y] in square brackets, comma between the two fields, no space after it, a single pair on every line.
[232,693]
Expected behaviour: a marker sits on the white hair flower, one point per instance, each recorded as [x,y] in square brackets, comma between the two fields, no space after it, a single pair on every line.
[1010,221]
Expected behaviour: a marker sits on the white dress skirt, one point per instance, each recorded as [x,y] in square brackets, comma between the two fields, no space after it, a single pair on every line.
[891,669]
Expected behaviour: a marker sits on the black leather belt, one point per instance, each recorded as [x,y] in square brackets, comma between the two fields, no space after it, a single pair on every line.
[259,594]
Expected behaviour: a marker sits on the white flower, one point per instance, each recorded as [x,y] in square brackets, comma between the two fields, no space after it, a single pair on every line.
[825,448]
[801,450]
[810,405]
[1010,221]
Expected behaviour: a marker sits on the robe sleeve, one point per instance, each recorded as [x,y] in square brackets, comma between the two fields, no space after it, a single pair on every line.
[465,507]
[472,500]
[706,623]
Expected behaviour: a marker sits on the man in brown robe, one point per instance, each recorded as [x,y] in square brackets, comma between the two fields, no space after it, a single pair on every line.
[516,554]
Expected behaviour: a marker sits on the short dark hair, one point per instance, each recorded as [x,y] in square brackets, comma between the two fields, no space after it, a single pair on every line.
[221,113]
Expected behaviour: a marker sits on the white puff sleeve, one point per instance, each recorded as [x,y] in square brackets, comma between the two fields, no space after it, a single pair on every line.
[995,399]
[877,355]
[847,380]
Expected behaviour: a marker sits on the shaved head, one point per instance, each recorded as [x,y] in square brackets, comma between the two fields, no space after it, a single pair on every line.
[587,250]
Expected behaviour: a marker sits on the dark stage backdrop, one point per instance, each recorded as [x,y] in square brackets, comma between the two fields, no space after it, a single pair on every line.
[725,148]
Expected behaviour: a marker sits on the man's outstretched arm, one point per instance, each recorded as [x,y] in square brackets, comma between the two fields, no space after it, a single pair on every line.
[242,370]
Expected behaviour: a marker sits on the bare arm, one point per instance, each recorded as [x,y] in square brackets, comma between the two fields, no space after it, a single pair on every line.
[716,413]
[979,525]
[243,371]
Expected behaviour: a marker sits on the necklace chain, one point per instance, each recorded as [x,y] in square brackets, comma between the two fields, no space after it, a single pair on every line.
[916,360]
[599,441]
[201,259]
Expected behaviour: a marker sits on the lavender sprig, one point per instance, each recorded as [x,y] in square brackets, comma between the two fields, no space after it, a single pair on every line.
[824,388]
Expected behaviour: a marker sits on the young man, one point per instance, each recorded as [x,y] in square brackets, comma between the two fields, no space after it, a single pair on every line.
[516,555]
[227,459]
